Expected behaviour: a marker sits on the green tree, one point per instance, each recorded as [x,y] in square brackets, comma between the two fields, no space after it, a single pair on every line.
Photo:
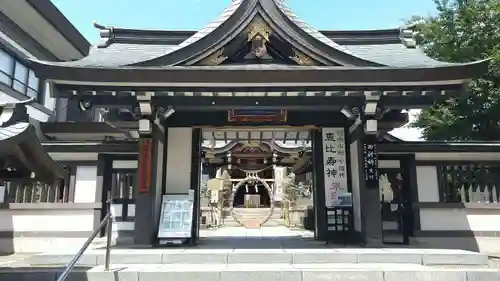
[463,31]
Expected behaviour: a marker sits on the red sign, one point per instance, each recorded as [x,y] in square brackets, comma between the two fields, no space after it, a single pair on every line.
[144,173]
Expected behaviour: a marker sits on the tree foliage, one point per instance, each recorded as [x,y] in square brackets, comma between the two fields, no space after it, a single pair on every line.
[463,31]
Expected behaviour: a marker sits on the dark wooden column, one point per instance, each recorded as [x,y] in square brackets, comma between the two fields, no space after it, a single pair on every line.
[369,190]
[318,185]
[103,187]
[195,182]
[149,185]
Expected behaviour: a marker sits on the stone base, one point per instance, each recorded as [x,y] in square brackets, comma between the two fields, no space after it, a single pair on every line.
[425,257]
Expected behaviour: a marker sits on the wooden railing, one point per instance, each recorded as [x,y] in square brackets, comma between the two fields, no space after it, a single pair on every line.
[35,192]
[472,183]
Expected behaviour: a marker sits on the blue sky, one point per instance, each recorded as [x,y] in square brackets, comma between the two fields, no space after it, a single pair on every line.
[194,14]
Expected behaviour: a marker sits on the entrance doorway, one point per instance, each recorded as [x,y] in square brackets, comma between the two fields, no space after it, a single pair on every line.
[258,167]
[396,200]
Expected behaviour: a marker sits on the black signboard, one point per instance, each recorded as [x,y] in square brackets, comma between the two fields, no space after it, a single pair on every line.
[371,165]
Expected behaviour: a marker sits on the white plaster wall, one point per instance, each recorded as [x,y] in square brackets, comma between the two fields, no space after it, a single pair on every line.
[72,156]
[427,183]
[454,156]
[43,221]
[125,164]
[179,145]
[116,210]
[86,184]
[46,220]
[49,102]
[356,201]
[460,219]
[388,164]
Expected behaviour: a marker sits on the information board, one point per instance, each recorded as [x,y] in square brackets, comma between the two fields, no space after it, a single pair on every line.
[176,217]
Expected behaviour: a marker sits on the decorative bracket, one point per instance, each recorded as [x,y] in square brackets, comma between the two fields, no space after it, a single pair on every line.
[407,36]
[302,59]
[215,58]
[145,103]
[106,33]
[351,113]
[14,112]
[258,27]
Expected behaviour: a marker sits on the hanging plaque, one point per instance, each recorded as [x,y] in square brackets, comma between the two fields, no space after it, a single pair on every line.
[144,165]
[260,115]
[371,165]
[334,160]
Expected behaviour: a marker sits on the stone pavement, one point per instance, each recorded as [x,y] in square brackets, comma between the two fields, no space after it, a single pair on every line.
[263,238]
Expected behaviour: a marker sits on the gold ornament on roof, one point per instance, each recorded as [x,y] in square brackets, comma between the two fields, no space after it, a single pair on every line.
[215,58]
[302,59]
[258,27]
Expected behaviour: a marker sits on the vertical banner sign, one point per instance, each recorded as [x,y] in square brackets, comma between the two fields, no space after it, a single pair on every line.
[371,165]
[144,173]
[334,160]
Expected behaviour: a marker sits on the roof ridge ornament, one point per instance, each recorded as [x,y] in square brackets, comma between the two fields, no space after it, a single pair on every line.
[407,36]
[14,112]
[301,59]
[215,58]
[106,33]
[258,27]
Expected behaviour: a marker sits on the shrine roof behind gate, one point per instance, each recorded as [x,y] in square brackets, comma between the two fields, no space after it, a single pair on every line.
[291,41]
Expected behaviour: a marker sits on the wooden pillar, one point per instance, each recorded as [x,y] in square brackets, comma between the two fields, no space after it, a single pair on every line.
[369,191]
[318,185]
[196,182]
[149,186]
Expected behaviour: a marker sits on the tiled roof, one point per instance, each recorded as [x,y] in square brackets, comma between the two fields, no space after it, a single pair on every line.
[12,131]
[213,25]
[395,55]
[307,28]
[120,54]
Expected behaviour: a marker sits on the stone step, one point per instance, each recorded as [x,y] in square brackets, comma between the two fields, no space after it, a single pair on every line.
[271,256]
[256,272]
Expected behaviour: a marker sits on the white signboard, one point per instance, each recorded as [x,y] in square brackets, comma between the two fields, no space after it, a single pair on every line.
[176,217]
[334,160]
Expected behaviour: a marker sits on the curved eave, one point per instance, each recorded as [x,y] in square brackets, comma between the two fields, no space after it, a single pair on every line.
[320,46]
[257,74]
[223,27]
[302,165]
[20,141]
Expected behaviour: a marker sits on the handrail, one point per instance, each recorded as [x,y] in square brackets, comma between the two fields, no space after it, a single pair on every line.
[106,221]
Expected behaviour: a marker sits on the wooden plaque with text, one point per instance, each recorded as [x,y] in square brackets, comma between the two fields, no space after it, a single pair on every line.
[144,169]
